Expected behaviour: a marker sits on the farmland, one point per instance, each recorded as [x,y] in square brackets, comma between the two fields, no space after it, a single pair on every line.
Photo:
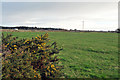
[84,55]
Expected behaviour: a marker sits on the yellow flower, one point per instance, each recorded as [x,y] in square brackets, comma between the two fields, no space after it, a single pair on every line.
[39,76]
[52,71]
[14,45]
[15,48]
[26,41]
[34,76]
[41,47]
[48,68]
[34,71]
[44,43]
[38,47]
[52,66]
[8,44]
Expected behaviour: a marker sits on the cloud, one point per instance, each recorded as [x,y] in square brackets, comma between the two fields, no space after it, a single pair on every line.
[63,14]
[60,1]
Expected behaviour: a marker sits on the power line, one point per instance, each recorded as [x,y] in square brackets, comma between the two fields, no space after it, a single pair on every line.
[83,25]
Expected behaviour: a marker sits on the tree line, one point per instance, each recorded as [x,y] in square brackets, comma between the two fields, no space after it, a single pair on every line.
[37,28]
[30,28]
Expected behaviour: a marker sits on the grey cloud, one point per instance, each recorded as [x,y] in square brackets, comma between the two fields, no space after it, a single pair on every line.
[39,13]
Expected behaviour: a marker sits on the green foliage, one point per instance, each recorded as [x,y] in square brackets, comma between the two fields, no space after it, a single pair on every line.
[29,58]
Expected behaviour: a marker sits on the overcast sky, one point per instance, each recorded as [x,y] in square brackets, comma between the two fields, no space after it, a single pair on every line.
[67,15]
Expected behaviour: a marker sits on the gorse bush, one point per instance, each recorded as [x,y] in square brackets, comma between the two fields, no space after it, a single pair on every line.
[29,58]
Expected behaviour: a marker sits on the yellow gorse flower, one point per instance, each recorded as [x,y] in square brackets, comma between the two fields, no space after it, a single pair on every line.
[42,43]
[7,44]
[38,36]
[26,41]
[54,69]
[34,51]
[15,46]
[38,45]
[52,66]
[34,76]
[41,47]
[48,68]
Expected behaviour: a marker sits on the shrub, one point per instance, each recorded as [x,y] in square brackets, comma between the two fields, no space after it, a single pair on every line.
[29,58]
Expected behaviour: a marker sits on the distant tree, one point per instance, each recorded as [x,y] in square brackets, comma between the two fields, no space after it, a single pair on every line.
[118,30]
[75,29]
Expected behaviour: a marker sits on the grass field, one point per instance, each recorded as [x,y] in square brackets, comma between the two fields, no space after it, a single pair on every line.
[84,55]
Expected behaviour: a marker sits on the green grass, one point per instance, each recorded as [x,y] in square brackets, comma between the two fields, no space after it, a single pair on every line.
[84,55]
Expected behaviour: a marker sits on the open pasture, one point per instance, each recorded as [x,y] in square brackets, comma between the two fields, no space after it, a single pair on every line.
[84,55]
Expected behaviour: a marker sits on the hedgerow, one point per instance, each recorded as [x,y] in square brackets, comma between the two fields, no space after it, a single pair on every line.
[29,58]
